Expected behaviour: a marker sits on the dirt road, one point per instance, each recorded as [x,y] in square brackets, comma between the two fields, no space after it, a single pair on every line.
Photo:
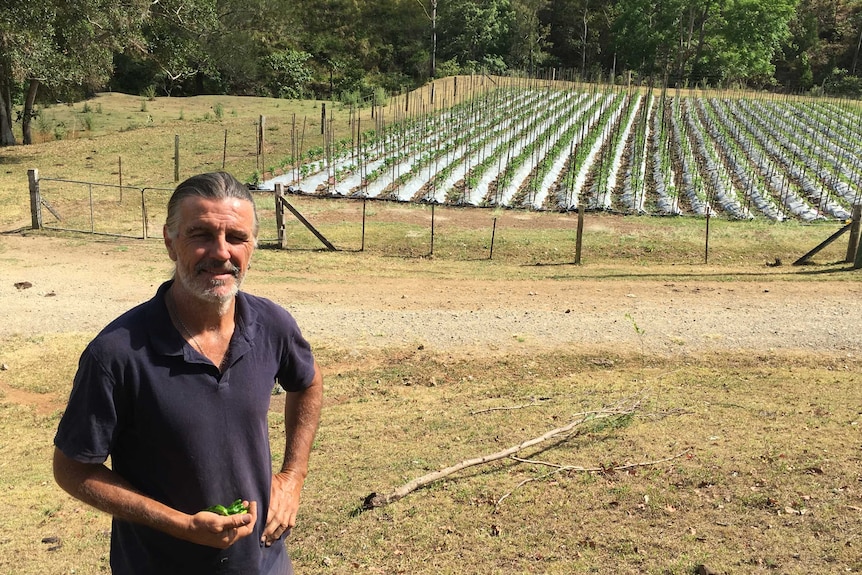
[78,285]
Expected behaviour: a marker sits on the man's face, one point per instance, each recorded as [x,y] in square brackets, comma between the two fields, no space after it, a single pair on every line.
[212,247]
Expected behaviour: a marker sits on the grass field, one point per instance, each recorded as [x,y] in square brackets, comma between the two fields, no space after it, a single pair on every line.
[747,462]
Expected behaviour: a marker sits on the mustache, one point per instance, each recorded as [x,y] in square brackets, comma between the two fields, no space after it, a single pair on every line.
[218,267]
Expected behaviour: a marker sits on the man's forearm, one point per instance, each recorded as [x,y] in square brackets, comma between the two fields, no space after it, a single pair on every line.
[96,485]
[100,487]
[301,418]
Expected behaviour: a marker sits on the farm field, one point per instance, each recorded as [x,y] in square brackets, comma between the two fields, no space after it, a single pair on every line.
[741,453]
[553,146]
[492,142]
[738,448]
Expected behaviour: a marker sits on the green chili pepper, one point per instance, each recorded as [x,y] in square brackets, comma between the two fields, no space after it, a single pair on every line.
[233,509]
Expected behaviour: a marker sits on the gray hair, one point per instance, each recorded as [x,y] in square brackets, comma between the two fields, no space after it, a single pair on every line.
[212,186]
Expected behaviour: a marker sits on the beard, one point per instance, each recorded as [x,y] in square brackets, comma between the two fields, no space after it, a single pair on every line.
[210,290]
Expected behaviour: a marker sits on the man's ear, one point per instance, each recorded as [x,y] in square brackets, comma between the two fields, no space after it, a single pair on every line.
[169,243]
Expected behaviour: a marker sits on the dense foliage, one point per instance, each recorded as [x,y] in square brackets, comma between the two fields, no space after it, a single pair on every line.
[347,49]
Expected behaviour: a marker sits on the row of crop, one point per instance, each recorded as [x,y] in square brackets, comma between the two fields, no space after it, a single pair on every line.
[746,176]
[790,157]
[808,156]
[614,150]
[842,153]
[469,142]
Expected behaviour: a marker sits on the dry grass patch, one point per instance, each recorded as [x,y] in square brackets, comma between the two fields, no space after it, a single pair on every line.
[769,480]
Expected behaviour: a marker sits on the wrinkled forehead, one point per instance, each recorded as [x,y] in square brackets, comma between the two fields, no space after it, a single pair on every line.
[217,213]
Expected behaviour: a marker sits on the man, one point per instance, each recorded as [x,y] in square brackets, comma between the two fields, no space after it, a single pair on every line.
[176,391]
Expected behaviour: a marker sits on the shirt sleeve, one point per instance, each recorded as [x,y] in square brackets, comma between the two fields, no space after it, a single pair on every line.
[89,424]
[296,371]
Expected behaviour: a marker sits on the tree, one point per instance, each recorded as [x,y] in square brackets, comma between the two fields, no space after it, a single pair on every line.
[752,33]
[289,73]
[431,14]
[59,45]
[646,35]
[529,35]
[178,34]
[473,32]
[693,41]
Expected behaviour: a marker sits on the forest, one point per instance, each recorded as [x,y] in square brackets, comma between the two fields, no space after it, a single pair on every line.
[356,51]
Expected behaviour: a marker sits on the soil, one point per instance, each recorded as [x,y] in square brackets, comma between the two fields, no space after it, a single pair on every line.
[79,286]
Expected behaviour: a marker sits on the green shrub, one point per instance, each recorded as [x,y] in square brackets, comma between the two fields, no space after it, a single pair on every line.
[350,98]
[87,121]
[381,98]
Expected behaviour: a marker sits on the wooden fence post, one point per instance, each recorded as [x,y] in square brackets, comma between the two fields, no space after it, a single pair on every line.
[493,234]
[706,241]
[364,200]
[261,143]
[853,244]
[144,232]
[432,228]
[579,238]
[177,158]
[224,151]
[35,199]
[279,213]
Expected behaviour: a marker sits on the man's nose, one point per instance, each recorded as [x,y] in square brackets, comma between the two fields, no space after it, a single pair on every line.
[220,248]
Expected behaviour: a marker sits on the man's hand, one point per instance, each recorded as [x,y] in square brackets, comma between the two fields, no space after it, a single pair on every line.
[301,416]
[213,530]
[283,505]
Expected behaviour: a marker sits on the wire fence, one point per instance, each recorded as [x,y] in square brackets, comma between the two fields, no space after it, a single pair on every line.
[121,211]
[139,213]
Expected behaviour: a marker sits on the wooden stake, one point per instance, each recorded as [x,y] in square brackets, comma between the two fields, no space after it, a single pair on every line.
[224,151]
[493,233]
[279,213]
[706,247]
[853,244]
[35,200]
[580,234]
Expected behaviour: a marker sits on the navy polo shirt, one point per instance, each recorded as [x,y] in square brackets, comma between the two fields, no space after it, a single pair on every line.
[182,432]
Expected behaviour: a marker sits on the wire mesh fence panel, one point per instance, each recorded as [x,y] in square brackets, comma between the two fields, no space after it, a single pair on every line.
[156,209]
[265,205]
[91,207]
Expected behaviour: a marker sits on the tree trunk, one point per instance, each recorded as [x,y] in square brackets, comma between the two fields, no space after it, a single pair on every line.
[7,138]
[694,71]
[433,39]
[584,42]
[28,114]
[856,53]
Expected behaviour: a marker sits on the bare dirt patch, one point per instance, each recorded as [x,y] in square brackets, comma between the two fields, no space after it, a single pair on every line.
[79,286]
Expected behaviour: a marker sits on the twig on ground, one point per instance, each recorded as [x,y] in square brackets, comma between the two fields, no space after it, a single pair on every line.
[561,468]
[533,401]
[374,500]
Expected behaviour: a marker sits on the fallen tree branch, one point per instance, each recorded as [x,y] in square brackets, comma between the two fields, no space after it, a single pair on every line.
[374,500]
[561,468]
[533,401]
